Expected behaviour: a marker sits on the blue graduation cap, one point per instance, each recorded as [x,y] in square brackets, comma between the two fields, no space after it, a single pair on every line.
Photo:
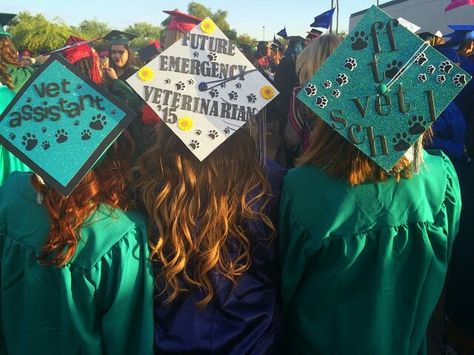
[60,124]
[324,20]
[449,52]
[282,33]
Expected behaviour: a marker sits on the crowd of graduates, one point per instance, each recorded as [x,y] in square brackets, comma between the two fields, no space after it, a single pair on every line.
[316,250]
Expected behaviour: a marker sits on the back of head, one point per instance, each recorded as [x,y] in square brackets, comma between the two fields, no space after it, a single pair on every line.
[314,55]
[198,210]
[105,184]
[8,55]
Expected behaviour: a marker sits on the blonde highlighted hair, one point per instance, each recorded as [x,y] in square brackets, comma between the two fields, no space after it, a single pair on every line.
[198,211]
[314,55]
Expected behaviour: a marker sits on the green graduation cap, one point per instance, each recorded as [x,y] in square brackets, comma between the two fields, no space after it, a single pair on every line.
[5,20]
[382,88]
[119,37]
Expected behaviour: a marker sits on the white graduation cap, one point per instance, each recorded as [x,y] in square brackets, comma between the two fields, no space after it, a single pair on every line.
[408,25]
[438,34]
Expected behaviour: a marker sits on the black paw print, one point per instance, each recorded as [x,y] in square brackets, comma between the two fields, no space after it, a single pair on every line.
[43,129]
[180,85]
[213,134]
[310,90]
[98,122]
[28,100]
[12,136]
[198,132]
[251,98]
[46,145]
[195,54]
[430,69]
[76,123]
[238,85]
[86,134]
[321,101]
[422,78]
[459,80]
[167,81]
[212,56]
[441,79]
[233,95]
[214,93]
[350,64]
[342,79]
[113,112]
[393,68]
[401,142]
[227,130]
[61,136]
[29,141]
[194,144]
[79,86]
[223,85]
[445,67]
[327,84]
[191,82]
[417,125]
[359,40]
[421,59]
[336,93]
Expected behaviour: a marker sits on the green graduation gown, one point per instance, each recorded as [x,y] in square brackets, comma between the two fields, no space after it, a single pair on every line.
[99,303]
[363,266]
[19,75]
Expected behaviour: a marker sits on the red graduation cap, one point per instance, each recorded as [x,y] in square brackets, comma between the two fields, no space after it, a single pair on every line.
[182,21]
[77,48]
[25,52]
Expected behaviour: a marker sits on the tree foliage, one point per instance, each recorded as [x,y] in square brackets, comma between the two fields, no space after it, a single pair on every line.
[89,29]
[145,32]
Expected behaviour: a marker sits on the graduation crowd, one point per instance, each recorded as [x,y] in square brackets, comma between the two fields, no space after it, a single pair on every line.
[317,250]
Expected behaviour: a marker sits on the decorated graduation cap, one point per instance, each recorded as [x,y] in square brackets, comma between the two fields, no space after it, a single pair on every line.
[119,37]
[181,21]
[76,48]
[382,88]
[60,123]
[203,88]
[5,19]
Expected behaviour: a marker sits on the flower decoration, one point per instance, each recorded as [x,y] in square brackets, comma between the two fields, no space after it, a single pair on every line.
[146,74]
[267,92]
[207,26]
[185,123]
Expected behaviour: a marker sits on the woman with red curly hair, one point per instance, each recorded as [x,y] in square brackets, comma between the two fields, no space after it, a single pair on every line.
[75,276]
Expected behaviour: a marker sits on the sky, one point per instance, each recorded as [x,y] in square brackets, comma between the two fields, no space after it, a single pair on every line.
[246,16]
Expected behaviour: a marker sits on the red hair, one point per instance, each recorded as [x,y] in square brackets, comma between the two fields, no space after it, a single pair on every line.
[105,184]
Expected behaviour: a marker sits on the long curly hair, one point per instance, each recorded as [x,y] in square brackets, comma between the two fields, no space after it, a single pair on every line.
[105,184]
[197,211]
[8,55]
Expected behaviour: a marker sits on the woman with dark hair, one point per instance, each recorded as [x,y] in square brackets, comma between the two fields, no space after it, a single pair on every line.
[75,272]
[121,58]
[212,243]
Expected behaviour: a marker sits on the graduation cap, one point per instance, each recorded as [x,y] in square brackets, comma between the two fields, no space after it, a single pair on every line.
[295,39]
[76,48]
[181,21]
[409,25]
[119,37]
[314,33]
[5,19]
[59,116]
[449,52]
[203,107]
[276,44]
[382,88]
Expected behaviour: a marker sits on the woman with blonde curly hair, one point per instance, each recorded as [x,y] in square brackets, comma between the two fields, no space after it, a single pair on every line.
[212,244]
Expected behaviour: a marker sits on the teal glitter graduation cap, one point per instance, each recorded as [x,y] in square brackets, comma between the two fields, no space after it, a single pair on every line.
[60,124]
[382,88]
[5,19]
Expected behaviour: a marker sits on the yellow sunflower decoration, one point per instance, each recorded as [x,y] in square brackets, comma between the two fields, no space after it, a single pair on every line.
[146,74]
[185,123]
[267,92]
[207,26]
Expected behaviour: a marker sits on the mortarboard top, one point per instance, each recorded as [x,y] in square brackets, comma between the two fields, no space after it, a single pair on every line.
[465,27]
[449,52]
[295,39]
[457,37]
[381,92]
[314,33]
[77,48]
[219,101]
[119,37]
[409,25]
[78,134]
[5,20]
[182,21]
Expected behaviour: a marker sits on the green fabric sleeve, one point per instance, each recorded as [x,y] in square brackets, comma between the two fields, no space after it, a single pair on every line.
[19,75]
[123,92]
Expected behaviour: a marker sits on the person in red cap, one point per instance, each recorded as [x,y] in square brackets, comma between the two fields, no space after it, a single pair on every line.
[179,24]
[83,57]
[26,57]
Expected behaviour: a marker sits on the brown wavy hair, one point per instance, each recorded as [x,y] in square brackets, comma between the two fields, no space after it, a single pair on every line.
[197,211]
[8,55]
[105,184]
[338,158]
